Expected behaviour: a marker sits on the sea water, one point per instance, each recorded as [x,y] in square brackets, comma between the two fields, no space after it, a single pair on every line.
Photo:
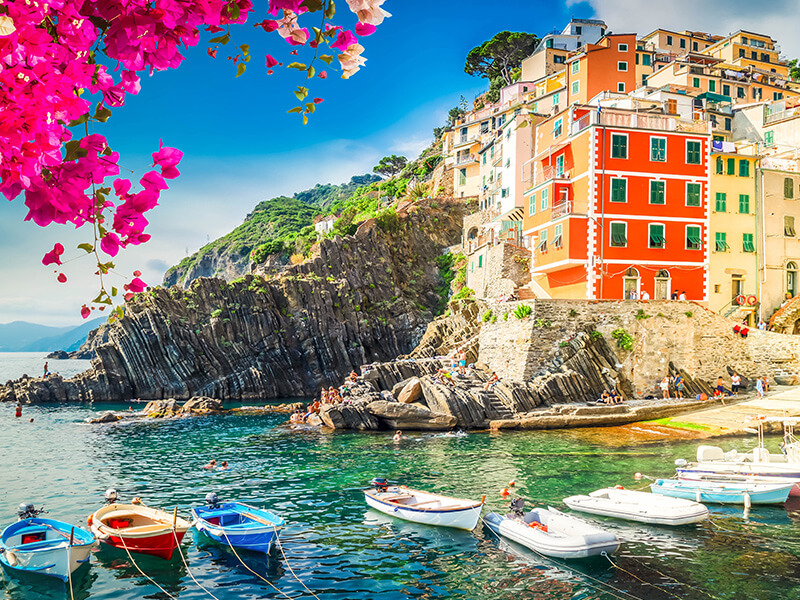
[340,549]
[14,365]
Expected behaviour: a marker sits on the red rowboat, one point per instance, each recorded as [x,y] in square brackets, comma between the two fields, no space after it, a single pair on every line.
[139,528]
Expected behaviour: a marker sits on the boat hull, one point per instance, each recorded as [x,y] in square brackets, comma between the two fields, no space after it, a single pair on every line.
[639,506]
[162,545]
[463,518]
[54,557]
[744,472]
[249,534]
[572,546]
[148,531]
[718,493]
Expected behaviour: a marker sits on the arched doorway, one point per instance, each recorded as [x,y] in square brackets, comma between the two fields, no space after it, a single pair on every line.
[791,279]
[663,284]
[631,283]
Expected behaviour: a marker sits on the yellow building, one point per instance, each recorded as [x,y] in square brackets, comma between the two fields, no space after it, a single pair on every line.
[733,231]
[748,49]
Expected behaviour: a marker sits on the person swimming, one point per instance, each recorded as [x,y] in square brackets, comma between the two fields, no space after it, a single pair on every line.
[224,466]
[211,465]
[398,436]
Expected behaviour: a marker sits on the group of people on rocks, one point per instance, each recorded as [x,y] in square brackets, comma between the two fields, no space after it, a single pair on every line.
[677,384]
[611,396]
[457,368]
[331,395]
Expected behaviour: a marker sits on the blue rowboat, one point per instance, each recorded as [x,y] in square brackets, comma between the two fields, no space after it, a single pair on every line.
[45,547]
[237,524]
[723,492]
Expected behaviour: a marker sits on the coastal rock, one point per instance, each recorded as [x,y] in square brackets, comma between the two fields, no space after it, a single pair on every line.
[58,355]
[398,387]
[411,392]
[348,416]
[410,416]
[201,405]
[107,417]
[458,402]
[158,409]
[315,420]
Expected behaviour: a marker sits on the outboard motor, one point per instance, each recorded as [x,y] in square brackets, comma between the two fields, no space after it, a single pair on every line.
[27,510]
[518,506]
[111,496]
[381,483]
[212,500]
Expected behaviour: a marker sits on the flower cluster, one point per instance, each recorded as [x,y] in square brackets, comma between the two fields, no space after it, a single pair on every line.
[50,61]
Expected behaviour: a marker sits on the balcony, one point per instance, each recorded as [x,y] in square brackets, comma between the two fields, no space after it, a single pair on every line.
[463,140]
[561,209]
[546,174]
[782,115]
[633,120]
[465,159]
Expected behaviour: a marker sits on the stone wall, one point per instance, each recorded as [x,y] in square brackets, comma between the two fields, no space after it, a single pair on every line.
[505,268]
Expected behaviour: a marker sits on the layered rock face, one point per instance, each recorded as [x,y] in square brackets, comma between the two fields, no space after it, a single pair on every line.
[364,298]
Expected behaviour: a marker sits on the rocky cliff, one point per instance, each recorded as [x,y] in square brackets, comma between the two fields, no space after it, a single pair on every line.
[363,298]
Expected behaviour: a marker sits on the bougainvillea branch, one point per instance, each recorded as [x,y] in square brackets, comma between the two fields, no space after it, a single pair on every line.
[52,57]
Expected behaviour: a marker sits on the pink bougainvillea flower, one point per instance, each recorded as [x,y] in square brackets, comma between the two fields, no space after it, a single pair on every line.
[323,75]
[128,296]
[85,312]
[365,29]
[214,29]
[344,40]
[136,285]
[110,243]
[62,278]
[271,62]
[368,11]
[270,72]
[137,273]
[212,53]
[54,256]
[318,100]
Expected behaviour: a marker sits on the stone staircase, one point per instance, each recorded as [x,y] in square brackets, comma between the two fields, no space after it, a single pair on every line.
[476,385]
[501,409]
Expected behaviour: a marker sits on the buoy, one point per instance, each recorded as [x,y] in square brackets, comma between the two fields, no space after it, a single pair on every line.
[637,476]
[741,299]
[619,487]
[512,483]
[504,492]
[89,519]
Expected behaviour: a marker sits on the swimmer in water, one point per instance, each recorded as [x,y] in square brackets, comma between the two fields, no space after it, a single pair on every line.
[398,436]
[211,465]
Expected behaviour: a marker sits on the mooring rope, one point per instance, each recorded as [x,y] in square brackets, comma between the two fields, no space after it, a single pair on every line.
[185,564]
[244,564]
[285,558]
[138,568]
[659,588]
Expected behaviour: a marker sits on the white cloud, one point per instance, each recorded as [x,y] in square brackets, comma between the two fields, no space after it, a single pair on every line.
[777,18]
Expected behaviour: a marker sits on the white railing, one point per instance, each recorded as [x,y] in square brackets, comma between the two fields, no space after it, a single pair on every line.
[546,173]
[465,159]
[634,120]
[561,209]
[781,115]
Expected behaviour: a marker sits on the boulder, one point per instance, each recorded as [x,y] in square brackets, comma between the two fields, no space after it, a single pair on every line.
[201,405]
[467,409]
[387,395]
[107,417]
[158,409]
[411,392]
[395,415]
[347,416]
[398,387]
[58,355]
[314,419]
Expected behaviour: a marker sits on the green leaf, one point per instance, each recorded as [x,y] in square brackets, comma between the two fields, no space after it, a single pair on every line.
[296,109]
[241,69]
[113,291]
[234,12]
[311,72]
[220,39]
[245,49]
[297,65]
[326,58]
[301,93]
[72,147]
[107,152]
[313,5]
[87,247]
[310,108]
[80,120]
[331,10]
[102,230]
[305,120]
[101,113]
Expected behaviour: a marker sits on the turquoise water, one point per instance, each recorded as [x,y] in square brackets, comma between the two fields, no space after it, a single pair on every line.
[342,550]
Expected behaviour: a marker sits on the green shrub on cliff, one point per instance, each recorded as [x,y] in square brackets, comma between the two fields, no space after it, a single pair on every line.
[463,294]
[487,316]
[522,311]
[624,339]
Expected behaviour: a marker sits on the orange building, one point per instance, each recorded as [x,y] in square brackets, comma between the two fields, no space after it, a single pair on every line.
[609,65]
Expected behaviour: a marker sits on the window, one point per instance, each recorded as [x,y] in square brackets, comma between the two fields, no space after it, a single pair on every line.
[712,85]
[791,278]
[726,89]
[769,138]
[621,87]
[669,40]
[576,66]
[693,194]
[462,177]
[657,192]
[744,168]
[731,166]
[721,242]
[756,93]
[727,123]
[619,146]
[741,52]
[740,92]
[483,160]
[696,82]
[744,204]
[753,54]
[480,261]
[694,46]
[658,149]
[545,199]
[720,166]
[558,127]
[622,47]
[576,86]
[559,60]
[747,242]
[504,193]
[693,241]
[532,205]
[683,43]
[578,30]
[672,106]
[646,60]
[788,188]
[619,234]
[558,238]
[693,153]
[560,166]
[508,162]
[542,246]
[622,65]
[788,226]
[744,40]
[655,236]
[721,204]
[619,189]
[556,98]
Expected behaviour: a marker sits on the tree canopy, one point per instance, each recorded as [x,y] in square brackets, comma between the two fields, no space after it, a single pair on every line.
[496,58]
[390,166]
[794,69]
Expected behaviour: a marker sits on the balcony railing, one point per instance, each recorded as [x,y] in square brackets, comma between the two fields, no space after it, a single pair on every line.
[611,118]
[561,209]
[465,159]
[466,139]
[781,115]
[546,173]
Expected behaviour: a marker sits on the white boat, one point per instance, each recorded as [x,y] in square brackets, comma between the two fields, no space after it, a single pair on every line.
[423,507]
[723,492]
[639,506]
[756,466]
[551,532]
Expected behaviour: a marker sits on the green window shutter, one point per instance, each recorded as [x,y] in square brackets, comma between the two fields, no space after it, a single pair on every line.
[731,166]
[721,241]
[693,153]
[696,82]
[619,146]
[693,241]
[658,149]
[788,188]
[744,204]
[480,261]
[720,166]
[769,138]
[532,205]
[656,237]
[747,242]
[692,194]
[744,168]
[657,192]
[619,235]
[721,204]
[619,190]
[712,85]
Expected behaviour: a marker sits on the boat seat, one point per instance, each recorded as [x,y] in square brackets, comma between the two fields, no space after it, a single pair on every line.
[423,503]
[145,528]
[396,497]
[39,545]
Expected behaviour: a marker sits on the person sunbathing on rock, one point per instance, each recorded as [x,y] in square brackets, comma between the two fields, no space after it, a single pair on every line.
[353,376]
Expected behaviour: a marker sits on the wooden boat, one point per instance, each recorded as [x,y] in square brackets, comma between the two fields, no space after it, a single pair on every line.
[551,532]
[639,506]
[45,547]
[423,507]
[139,528]
[723,492]
[237,524]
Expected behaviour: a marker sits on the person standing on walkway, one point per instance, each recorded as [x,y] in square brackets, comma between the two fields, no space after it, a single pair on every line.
[760,387]
[736,383]
[665,387]
[678,383]
[645,295]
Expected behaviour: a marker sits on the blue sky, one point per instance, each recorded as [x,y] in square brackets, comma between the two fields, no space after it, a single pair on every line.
[242,147]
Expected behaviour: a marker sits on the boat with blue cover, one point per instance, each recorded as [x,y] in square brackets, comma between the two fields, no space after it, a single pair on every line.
[723,492]
[237,524]
[44,546]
